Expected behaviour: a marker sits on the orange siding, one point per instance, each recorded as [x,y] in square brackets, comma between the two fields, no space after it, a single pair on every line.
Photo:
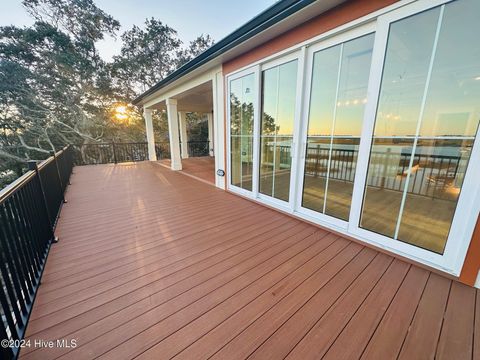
[333,18]
[471,266]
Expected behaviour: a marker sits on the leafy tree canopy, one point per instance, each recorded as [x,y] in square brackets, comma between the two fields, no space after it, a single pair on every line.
[55,89]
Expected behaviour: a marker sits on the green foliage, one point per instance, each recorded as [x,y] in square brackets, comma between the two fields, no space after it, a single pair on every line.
[55,89]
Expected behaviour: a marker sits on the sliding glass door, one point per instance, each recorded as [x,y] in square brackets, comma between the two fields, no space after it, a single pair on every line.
[276,129]
[338,94]
[425,125]
[242,108]
[372,132]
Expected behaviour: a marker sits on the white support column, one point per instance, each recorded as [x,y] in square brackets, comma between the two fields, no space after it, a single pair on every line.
[210,134]
[219,128]
[182,122]
[147,115]
[172,114]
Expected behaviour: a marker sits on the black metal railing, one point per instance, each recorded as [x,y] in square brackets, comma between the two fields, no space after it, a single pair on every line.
[29,209]
[431,174]
[198,148]
[113,153]
[162,149]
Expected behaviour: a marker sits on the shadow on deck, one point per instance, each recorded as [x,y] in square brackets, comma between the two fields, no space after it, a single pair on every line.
[154,264]
[201,168]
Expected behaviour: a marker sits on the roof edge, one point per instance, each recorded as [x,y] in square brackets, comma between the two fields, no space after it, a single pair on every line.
[261,22]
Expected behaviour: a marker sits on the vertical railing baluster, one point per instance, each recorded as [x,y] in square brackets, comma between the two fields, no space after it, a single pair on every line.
[14,251]
[32,165]
[26,232]
[114,152]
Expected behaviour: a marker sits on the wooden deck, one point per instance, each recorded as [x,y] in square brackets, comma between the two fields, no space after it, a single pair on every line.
[153,264]
[202,168]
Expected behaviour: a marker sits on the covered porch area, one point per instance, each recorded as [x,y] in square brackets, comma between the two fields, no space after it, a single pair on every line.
[201,96]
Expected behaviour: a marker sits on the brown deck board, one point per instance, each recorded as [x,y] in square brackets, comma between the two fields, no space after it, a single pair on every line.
[388,338]
[202,167]
[263,333]
[99,274]
[322,335]
[456,339]
[162,258]
[355,336]
[422,338]
[249,284]
[132,305]
[155,264]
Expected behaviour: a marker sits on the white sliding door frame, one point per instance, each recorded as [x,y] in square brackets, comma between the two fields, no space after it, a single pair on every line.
[311,51]
[255,70]
[299,57]
[468,204]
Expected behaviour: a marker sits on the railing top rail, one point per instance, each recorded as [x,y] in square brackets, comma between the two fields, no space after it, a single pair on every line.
[14,186]
[18,183]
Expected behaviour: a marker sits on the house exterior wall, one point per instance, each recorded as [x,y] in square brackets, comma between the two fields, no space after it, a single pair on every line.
[330,20]
[334,18]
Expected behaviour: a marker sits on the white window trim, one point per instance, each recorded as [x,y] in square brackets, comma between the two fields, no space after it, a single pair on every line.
[255,71]
[378,22]
[292,56]
[462,226]
[342,38]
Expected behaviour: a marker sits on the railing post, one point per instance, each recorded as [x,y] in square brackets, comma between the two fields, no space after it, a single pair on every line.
[385,167]
[114,152]
[58,175]
[316,160]
[32,165]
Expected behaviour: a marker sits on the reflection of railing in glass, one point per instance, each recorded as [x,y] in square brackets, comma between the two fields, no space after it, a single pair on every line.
[434,176]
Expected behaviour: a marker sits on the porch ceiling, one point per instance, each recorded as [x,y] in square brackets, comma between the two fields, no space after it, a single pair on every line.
[198,98]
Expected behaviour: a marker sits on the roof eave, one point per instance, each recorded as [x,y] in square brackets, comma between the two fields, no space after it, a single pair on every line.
[266,19]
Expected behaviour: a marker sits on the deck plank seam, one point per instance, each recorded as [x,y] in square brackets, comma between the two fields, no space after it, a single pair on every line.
[392,261]
[154,255]
[236,292]
[327,282]
[146,274]
[414,315]
[285,295]
[196,285]
[443,319]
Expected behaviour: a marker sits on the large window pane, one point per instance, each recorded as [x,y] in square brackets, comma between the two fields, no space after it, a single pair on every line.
[429,102]
[242,95]
[408,55]
[278,112]
[434,186]
[337,102]
[452,107]
[388,167]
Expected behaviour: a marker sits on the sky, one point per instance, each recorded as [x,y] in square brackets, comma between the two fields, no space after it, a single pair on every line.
[190,18]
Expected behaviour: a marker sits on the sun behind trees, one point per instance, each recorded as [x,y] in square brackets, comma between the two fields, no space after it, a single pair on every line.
[55,89]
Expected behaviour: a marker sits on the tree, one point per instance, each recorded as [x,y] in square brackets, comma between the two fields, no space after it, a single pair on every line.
[149,55]
[55,89]
[195,48]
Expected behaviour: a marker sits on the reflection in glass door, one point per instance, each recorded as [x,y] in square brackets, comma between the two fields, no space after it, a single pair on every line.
[426,122]
[242,95]
[337,102]
[276,134]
